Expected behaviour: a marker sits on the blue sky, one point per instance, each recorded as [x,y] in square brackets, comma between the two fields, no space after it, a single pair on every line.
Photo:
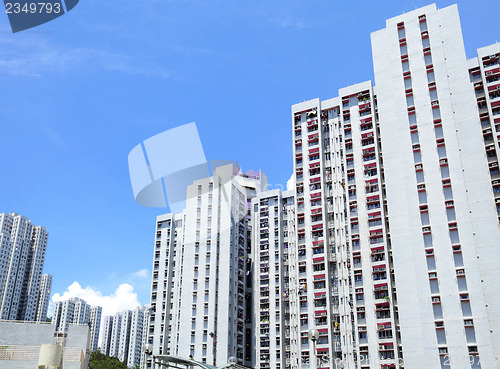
[80,92]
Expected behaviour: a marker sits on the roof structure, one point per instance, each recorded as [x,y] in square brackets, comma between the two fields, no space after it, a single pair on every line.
[166,361]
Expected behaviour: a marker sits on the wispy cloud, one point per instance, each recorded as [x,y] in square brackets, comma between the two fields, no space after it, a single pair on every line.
[36,56]
[143,273]
[286,21]
[54,137]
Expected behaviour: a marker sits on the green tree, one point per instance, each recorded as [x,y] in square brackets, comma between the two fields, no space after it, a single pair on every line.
[100,361]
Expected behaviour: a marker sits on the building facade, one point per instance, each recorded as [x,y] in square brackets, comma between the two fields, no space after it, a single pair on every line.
[95,326]
[107,334]
[396,202]
[43,300]
[24,346]
[387,241]
[277,293]
[123,336]
[442,213]
[77,311]
[200,305]
[22,253]
[115,335]
[484,72]
[327,295]
[71,311]
[137,337]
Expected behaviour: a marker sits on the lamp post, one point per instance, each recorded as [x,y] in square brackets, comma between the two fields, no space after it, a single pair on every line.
[147,347]
[214,337]
[148,350]
[313,336]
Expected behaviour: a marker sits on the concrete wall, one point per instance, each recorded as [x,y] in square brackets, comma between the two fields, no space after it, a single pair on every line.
[20,345]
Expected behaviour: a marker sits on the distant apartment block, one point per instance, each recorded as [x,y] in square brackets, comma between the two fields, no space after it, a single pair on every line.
[95,326]
[43,300]
[137,336]
[77,311]
[107,334]
[22,253]
[123,335]
[115,335]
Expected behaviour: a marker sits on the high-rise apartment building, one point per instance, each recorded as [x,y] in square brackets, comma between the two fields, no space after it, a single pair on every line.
[201,288]
[394,182]
[95,326]
[123,335]
[71,311]
[22,252]
[115,335]
[277,290]
[484,71]
[388,243]
[43,300]
[77,311]
[137,338]
[328,293]
[442,214]
[107,334]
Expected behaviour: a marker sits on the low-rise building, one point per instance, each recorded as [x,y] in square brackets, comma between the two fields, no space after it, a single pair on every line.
[23,344]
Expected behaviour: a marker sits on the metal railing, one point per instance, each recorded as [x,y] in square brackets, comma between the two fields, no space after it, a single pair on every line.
[31,353]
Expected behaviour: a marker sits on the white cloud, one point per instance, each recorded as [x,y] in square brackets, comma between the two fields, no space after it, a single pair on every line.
[36,56]
[143,273]
[123,298]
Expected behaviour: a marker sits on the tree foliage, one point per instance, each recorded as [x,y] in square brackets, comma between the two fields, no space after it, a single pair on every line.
[100,361]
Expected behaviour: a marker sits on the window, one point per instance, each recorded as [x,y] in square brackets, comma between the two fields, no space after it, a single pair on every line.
[431,77]
[407,83]
[401,31]
[428,59]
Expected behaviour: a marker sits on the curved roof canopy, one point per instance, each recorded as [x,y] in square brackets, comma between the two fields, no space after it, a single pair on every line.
[179,362]
[166,360]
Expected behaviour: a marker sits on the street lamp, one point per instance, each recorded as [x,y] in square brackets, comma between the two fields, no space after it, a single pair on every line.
[148,350]
[313,336]
[214,337]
